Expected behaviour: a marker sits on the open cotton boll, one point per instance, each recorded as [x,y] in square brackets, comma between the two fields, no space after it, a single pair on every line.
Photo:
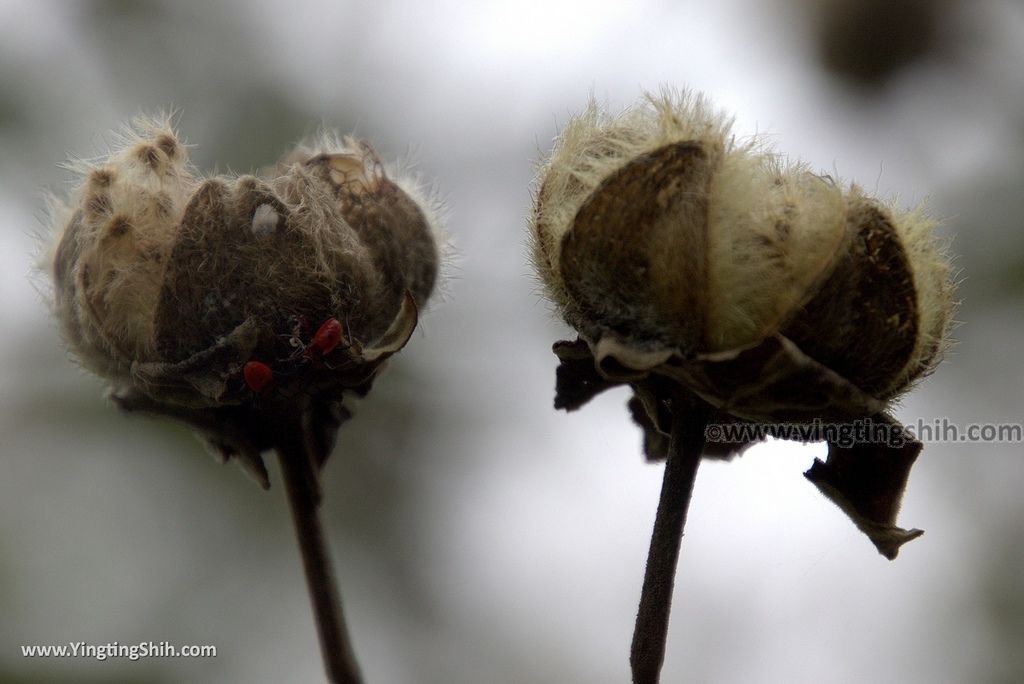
[155,264]
[233,302]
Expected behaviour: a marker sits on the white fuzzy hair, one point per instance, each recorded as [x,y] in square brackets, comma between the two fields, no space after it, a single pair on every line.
[933,284]
[124,216]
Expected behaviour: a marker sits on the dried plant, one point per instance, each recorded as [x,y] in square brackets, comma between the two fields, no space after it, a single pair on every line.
[728,287]
[248,307]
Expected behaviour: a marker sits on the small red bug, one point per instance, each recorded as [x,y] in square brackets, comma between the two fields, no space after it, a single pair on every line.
[326,339]
[258,376]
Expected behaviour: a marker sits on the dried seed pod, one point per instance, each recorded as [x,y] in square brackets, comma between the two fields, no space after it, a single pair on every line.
[686,259]
[657,229]
[168,284]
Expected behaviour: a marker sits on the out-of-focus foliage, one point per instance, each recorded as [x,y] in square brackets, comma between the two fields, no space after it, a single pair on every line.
[869,41]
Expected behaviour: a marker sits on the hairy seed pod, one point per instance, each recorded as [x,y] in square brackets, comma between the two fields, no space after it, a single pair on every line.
[172,286]
[708,272]
[660,237]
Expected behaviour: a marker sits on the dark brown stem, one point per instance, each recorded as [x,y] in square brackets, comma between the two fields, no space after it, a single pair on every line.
[301,482]
[689,419]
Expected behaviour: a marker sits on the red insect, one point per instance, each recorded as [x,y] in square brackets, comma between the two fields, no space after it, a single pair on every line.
[258,376]
[326,339]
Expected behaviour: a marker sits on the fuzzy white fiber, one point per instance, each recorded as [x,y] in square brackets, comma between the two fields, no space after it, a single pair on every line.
[114,239]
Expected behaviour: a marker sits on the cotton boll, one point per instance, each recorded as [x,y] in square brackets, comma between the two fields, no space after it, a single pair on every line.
[156,265]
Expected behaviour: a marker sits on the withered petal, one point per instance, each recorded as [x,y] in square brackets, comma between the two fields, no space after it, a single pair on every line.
[656,442]
[576,378]
[772,380]
[397,334]
[252,463]
[867,481]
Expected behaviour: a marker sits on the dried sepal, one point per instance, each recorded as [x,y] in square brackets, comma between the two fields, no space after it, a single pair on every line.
[867,480]
[770,381]
[577,380]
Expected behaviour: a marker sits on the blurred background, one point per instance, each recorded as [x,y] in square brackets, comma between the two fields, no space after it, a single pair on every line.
[478,535]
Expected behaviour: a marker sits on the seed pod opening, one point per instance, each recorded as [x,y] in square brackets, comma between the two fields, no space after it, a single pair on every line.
[155,264]
[171,285]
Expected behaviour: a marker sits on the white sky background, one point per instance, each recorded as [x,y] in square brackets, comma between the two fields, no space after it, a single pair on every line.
[530,535]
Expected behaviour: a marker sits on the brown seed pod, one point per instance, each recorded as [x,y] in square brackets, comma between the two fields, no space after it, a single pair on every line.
[688,261]
[656,229]
[168,284]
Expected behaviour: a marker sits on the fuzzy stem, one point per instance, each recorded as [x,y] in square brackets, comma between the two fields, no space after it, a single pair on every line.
[687,441]
[300,481]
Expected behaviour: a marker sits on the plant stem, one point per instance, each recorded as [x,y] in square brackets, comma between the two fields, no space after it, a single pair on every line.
[301,483]
[647,654]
